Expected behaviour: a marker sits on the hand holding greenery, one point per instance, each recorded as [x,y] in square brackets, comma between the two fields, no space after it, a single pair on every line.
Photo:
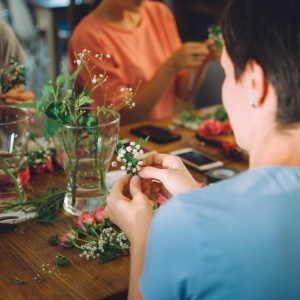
[215,33]
[12,76]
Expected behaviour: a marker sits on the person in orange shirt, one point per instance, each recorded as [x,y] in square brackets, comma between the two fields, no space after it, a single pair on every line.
[145,51]
[11,47]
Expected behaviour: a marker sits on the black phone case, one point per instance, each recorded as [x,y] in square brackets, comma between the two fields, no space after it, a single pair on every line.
[156,134]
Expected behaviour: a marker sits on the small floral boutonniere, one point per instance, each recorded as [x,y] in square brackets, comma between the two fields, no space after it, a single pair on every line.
[12,76]
[215,33]
[131,156]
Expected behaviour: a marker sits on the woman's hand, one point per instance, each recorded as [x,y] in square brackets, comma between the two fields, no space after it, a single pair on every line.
[18,95]
[129,208]
[169,170]
[191,54]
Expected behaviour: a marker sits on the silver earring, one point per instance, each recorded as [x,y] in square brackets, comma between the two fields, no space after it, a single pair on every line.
[252,103]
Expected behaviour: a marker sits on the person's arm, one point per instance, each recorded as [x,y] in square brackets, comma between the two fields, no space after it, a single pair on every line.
[18,95]
[190,55]
[188,83]
[132,212]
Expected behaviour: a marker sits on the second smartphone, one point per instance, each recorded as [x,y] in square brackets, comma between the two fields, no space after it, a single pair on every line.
[197,159]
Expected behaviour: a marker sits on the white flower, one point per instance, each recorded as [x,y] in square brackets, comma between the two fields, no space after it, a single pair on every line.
[123,168]
[107,55]
[78,62]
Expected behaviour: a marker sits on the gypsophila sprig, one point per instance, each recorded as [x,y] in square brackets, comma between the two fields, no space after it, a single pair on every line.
[12,76]
[215,33]
[130,156]
[48,270]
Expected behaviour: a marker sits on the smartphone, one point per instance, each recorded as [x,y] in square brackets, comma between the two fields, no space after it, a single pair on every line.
[147,151]
[156,134]
[196,159]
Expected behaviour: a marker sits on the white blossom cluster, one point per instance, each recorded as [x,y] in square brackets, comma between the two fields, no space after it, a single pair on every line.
[131,157]
[83,59]
[109,237]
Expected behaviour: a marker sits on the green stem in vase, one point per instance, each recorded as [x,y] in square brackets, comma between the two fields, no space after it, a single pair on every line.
[102,181]
[75,169]
[12,178]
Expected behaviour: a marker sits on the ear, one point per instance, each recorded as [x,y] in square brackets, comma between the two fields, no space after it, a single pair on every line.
[255,83]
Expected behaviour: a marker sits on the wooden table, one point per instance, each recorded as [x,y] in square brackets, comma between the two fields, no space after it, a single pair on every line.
[22,252]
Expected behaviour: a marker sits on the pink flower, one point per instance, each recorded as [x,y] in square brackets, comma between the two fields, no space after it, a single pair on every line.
[83,220]
[49,164]
[226,127]
[64,240]
[210,127]
[25,175]
[99,214]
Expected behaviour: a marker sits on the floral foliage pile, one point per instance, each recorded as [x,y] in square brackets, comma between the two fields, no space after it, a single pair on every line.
[96,237]
[38,159]
[214,127]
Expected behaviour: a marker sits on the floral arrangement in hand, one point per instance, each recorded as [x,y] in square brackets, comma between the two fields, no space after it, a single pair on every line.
[130,156]
[215,33]
[12,76]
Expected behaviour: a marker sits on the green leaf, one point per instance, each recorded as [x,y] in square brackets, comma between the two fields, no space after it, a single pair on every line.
[47,90]
[50,111]
[51,126]
[53,240]
[18,280]
[62,261]
[84,101]
[72,78]
[60,80]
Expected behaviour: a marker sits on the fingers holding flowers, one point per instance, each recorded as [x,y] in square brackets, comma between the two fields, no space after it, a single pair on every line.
[133,215]
[170,172]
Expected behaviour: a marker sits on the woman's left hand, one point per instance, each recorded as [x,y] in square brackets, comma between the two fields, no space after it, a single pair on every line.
[129,207]
[18,95]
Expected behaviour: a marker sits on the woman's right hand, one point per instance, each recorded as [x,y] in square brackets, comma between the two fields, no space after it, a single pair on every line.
[190,54]
[169,170]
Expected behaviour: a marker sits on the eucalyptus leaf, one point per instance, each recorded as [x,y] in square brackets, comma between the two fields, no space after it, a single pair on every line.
[60,80]
[72,78]
[51,126]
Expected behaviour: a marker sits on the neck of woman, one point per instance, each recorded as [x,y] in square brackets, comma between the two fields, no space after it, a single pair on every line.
[280,148]
[118,16]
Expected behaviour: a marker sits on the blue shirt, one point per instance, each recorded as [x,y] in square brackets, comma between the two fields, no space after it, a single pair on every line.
[237,239]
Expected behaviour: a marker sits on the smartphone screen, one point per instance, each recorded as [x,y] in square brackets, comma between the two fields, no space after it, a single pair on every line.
[196,159]
[156,134]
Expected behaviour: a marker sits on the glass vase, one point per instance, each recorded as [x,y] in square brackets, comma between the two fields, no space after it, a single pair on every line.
[14,134]
[86,153]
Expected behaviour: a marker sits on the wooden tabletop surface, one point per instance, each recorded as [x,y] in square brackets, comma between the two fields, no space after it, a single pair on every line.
[24,250]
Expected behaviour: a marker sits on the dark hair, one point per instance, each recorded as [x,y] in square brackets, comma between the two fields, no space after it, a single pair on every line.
[267,31]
